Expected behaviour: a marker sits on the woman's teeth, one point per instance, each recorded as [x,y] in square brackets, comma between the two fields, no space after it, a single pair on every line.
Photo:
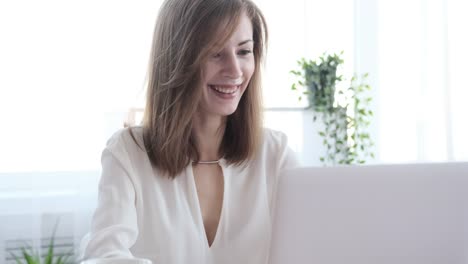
[225,90]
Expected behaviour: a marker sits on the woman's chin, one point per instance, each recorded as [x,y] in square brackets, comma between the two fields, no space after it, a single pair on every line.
[223,111]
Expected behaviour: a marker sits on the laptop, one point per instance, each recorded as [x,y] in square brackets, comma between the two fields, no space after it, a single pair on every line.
[378,214]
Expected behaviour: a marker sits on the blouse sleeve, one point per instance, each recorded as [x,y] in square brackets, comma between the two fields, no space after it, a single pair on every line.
[283,157]
[114,225]
[288,158]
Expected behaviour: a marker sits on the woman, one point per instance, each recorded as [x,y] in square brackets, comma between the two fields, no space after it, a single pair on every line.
[195,183]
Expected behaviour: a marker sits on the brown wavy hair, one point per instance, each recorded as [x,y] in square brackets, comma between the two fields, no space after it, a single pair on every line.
[183,39]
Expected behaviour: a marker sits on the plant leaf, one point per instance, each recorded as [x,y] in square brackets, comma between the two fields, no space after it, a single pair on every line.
[29,257]
[17,259]
[50,253]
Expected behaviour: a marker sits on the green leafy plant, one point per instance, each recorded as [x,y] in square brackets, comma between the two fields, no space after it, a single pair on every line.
[344,110]
[32,256]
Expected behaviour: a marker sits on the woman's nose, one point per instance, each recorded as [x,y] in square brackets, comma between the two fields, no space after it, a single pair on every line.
[232,67]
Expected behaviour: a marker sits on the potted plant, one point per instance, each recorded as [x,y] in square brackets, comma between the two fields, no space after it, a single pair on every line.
[344,112]
[31,256]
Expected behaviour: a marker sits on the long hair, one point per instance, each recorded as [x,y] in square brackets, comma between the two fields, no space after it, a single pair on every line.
[182,42]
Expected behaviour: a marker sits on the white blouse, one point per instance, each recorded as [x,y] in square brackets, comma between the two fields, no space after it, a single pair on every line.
[142,214]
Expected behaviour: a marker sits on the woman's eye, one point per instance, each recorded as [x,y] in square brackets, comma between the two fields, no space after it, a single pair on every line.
[245,52]
[217,55]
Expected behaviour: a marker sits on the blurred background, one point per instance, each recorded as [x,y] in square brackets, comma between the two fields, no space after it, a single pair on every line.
[72,72]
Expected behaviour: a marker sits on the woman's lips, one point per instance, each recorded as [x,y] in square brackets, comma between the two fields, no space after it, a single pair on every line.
[225,91]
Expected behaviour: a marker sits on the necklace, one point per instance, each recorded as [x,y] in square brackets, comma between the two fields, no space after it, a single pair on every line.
[207,162]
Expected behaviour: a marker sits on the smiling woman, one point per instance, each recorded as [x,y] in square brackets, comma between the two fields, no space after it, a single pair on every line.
[195,182]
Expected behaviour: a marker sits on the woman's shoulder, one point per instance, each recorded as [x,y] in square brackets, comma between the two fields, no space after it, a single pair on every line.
[274,138]
[275,146]
[127,148]
[274,142]
[128,139]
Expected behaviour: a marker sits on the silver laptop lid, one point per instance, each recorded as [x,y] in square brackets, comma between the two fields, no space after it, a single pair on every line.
[404,214]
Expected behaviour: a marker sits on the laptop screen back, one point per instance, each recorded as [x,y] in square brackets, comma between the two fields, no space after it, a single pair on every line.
[386,214]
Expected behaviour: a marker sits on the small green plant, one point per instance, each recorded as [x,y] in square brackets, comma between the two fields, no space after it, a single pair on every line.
[319,80]
[31,256]
[343,110]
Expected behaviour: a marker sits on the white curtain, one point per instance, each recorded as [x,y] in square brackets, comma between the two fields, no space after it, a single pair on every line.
[416,54]
[68,69]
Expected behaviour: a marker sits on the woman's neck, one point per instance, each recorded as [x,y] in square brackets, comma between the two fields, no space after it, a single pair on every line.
[209,131]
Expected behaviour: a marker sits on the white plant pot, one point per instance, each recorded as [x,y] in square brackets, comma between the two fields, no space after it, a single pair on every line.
[313,147]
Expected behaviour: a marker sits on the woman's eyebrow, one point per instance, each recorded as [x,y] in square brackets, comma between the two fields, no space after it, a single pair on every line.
[244,42]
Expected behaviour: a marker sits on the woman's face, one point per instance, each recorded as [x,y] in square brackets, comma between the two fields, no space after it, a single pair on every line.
[227,71]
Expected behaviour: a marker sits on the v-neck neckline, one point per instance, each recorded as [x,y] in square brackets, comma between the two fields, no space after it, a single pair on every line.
[199,214]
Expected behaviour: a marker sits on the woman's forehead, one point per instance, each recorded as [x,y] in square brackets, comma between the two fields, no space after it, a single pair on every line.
[238,32]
